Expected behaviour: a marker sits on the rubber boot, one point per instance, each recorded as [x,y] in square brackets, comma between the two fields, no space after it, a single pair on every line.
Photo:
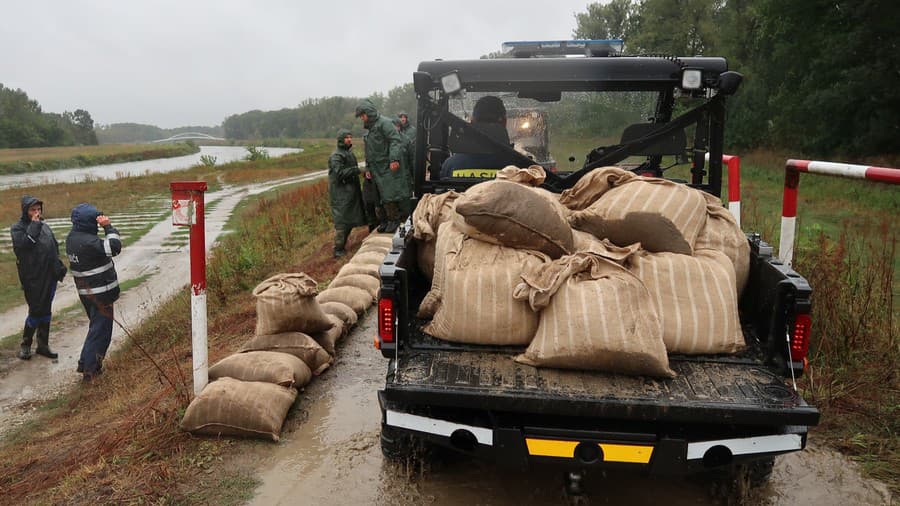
[340,241]
[392,210]
[25,350]
[43,341]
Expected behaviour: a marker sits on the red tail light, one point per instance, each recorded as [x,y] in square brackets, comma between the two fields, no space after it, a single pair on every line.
[800,337]
[386,320]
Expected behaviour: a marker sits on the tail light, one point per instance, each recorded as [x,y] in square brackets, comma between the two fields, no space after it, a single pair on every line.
[386,319]
[800,337]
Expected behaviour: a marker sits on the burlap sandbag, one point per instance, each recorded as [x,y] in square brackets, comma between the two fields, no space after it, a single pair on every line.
[356,298]
[513,215]
[449,238]
[722,233]
[384,240]
[297,344]
[367,269]
[595,315]
[286,302]
[476,295]
[267,366]
[661,215]
[229,407]
[342,311]
[534,175]
[593,185]
[327,339]
[695,299]
[431,211]
[363,281]
[368,258]
[366,248]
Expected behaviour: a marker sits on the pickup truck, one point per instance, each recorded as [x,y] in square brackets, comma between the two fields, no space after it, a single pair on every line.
[724,415]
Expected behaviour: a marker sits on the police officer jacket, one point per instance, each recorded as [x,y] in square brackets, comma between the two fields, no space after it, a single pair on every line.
[90,258]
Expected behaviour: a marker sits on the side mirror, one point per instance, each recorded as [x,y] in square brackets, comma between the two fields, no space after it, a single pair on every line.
[729,82]
[422,82]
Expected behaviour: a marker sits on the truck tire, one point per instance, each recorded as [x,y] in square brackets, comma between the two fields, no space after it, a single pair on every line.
[396,445]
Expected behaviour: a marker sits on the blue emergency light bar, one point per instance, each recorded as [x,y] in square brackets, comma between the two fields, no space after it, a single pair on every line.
[594,47]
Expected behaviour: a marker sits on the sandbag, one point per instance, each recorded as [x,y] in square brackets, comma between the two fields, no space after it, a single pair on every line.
[595,315]
[366,248]
[431,211]
[384,240]
[722,233]
[267,366]
[593,185]
[513,215]
[297,344]
[695,299]
[661,215]
[342,311]
[286,302]
[535,175]
[476,295]
[367,269]
[363,281]
[328,339]
[369,257]
[356,298]
[229,407]
[449,238]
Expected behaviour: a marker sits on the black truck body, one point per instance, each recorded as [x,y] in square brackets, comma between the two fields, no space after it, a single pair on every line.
[720,412]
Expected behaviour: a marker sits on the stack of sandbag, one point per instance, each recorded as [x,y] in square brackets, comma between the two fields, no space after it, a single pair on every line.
[431,211]
[357,284]
[251,391]
[594,314]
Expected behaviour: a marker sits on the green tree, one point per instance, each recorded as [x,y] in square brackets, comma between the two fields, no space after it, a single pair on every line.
[613,20]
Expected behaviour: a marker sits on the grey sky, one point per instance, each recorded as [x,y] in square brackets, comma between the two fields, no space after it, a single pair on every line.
[176,63]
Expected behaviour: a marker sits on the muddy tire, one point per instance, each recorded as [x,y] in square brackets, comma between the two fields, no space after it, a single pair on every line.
[737,485]
[396,445]
[758,473]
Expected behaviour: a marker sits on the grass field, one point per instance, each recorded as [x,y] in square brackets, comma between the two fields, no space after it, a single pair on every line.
[18,161]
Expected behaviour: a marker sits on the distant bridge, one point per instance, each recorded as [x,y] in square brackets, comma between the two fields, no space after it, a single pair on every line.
[198,136]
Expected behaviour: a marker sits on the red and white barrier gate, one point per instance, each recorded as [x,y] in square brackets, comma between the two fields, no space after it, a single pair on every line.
[734,184]
[187,210]
[792,171]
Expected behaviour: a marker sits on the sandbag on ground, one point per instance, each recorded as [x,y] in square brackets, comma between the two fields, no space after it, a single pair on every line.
[369,258]
[356,298]
[384,240]
[229,407]
[286,302]
[513,215]
[431,211]
[267,366]
[342,311]
[594,315]
[661,215]
[367,269]
[722,233]
[695,299]
[476,295]
[363,281]
[365,248]
[328,339]
[297,344]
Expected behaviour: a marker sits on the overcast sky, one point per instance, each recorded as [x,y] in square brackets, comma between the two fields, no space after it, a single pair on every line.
[177,63]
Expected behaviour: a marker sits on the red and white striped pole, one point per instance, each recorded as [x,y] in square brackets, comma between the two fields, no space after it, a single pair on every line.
[792,171]
[734,184]
[187,210]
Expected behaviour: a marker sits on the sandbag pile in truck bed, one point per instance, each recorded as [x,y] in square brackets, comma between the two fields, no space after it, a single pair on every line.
[609,276]
[297,329]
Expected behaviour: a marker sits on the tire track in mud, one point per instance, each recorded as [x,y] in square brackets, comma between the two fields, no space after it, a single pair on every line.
[24,384]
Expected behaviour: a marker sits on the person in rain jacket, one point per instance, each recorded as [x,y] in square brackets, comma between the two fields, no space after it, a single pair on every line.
[90,259]
[406,165]
[343,188]
[384,149]
[406,128]
[39,266]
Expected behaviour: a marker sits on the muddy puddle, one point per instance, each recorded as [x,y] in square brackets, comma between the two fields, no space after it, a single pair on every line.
[330,454]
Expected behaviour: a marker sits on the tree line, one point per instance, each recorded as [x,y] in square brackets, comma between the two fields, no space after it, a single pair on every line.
[24,125]
[820,75]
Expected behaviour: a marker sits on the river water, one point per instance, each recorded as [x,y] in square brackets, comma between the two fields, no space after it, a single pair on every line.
[223,154]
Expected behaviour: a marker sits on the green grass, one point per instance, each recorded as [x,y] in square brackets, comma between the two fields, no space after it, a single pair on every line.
[25,160]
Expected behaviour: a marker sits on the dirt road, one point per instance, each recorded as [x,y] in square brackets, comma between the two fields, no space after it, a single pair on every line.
[330,454]
[24,384]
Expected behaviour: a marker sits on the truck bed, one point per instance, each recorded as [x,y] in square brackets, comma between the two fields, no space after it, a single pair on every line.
[709,389]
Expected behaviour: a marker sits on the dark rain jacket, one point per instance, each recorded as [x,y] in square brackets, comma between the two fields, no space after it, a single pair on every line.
[407,164]
[384,144]
[90,257]
[408,131]
[37,260]
[343,186]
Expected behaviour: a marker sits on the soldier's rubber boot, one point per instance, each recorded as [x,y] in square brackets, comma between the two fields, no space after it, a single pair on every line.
[392,210]
[25,350]
[43,341]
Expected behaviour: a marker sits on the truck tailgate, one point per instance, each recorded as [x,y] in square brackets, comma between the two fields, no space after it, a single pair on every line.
[708,390]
